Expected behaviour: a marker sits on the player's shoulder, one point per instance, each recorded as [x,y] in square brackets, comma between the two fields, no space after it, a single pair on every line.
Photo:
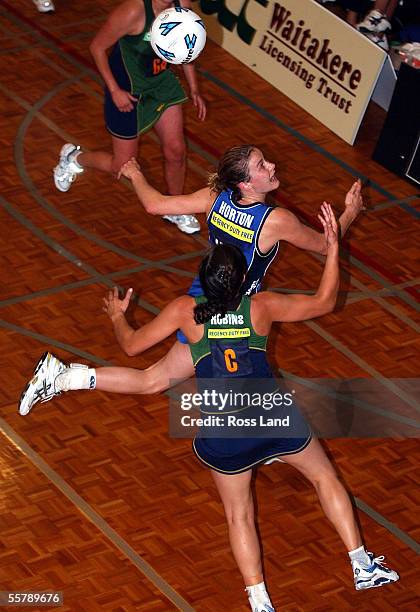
[130,8]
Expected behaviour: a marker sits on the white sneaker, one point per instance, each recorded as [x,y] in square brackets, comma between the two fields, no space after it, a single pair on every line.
[186,223]
[258,598]
[379,39]
[374,575]
[41,387]
[67,170]
[44,6]
[374,22]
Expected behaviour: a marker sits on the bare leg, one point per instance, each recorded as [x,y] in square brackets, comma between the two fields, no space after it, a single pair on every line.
[123,150]
[170,132]
[315,465]
[175,366]
[235,492]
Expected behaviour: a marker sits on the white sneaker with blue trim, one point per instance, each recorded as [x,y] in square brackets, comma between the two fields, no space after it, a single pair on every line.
[41,387]
[67,169]
[374,575]
[186,223]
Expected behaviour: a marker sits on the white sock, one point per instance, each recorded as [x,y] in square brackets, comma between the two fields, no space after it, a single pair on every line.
[360,555]
[76,376]
[73,158]
[258,593]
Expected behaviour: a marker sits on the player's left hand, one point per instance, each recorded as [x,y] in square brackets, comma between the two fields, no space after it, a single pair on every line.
[354,199]
[113,306]
[329,224]
[200,105]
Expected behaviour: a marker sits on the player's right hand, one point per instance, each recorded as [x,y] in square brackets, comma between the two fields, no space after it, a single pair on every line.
[113,306]
[129,169]
[123,100]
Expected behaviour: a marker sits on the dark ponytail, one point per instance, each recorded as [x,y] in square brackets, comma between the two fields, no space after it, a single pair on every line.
[221,274]
[232,170]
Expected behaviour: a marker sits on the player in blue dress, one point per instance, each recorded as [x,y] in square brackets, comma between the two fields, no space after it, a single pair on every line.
[234,203]
[227,333]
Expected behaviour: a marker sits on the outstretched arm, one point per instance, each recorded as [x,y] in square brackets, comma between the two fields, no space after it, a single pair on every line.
[156,203]
[289,308]
[135,341]
[284,225]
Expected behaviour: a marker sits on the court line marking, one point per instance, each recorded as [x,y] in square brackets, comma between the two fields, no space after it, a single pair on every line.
[96,519]
[352,296]
[58,248]
[386,382]
[349,399]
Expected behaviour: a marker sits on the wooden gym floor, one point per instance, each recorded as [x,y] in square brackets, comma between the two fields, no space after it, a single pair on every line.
[97,501]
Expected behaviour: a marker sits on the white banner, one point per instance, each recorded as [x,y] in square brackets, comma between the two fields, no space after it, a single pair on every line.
[306,52]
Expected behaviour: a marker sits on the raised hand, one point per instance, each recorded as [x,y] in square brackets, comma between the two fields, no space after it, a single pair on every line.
[129,169]
[113,306]
[329,224]
[354,199]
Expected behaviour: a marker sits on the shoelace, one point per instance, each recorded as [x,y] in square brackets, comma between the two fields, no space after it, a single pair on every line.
[379,560]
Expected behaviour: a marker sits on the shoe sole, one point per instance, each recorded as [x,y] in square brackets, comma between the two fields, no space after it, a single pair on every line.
[185,230]
[383,581]
[35,372]
[58,186]
[375,586]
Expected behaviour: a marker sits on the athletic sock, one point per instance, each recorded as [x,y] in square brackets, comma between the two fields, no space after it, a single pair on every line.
[360,555]
[76,376]
[257,594]
[73,158]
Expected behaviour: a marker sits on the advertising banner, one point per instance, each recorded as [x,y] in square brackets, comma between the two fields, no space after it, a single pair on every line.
[302,49]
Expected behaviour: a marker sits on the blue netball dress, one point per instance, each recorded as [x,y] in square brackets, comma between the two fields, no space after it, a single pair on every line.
[230,351]
[240,226]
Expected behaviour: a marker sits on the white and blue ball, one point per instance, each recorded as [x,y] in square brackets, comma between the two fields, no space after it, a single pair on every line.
[178,35]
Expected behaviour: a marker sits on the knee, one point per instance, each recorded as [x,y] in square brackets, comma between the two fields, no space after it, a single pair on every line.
[326,478]
[153,383]
[240,515]
[175,153]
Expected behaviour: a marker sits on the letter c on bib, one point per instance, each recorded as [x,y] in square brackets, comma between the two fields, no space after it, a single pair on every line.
[230,360]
